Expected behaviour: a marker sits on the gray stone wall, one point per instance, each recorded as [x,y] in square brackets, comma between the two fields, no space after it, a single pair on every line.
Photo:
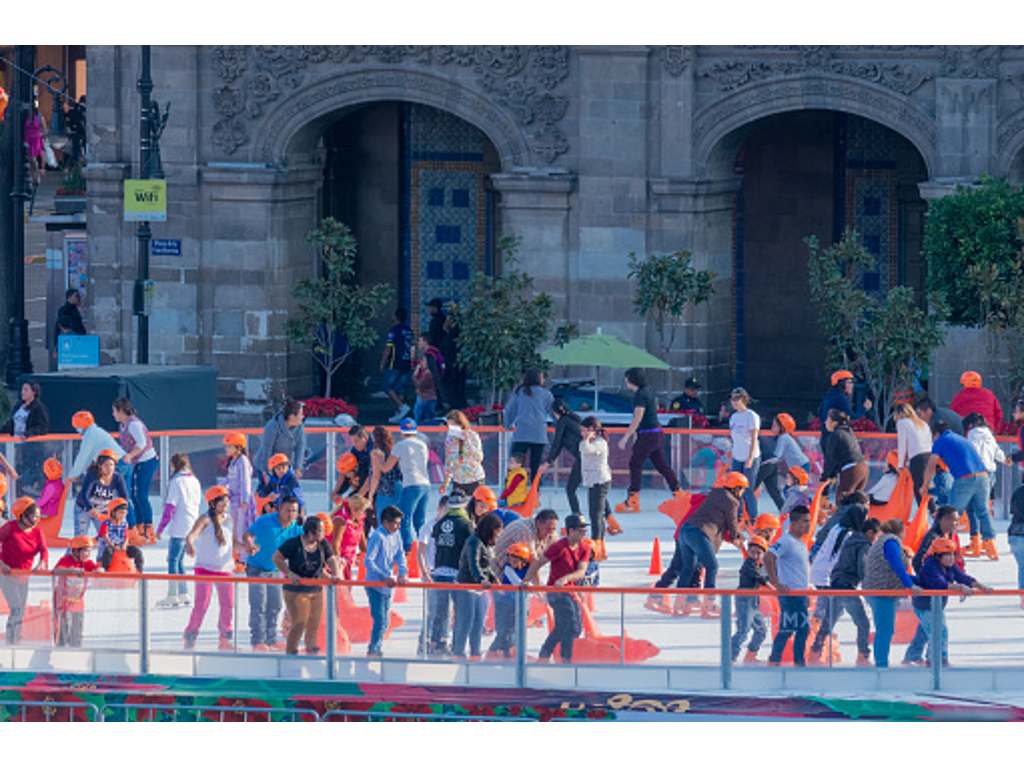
[603,150]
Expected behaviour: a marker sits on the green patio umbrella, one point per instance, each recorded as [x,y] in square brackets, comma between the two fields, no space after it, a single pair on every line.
[601,351]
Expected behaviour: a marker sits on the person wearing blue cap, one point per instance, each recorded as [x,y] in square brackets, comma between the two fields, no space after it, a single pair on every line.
[413,456]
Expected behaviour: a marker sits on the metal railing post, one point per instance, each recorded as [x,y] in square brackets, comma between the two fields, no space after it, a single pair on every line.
[502,456]
[331,629]
[234,603]
[143,626]
[675,454]
[935,643]
[165,464]
[622,628]
[725,640]
[329,474]
[521,617]
[12,487]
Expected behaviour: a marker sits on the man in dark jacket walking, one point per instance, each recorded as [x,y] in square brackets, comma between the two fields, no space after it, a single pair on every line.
[847,573]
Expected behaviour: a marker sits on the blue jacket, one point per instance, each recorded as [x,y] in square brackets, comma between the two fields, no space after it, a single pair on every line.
[384,551]
[935,577]
[835,399]
[528,415]
[285,485]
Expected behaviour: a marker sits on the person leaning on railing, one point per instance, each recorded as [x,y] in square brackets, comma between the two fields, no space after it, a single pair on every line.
[264,537]
[885,569]
[21,542]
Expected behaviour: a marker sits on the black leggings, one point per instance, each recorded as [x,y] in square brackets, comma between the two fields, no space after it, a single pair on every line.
[917,466]
[534,451]
[597,502]
[572,485]
[768,475]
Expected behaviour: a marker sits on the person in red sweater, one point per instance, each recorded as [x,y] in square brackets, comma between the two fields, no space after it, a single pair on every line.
[21,541]
[975,398]
[69,592]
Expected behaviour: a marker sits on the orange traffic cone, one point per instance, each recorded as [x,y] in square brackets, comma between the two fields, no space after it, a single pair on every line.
[655,568]
[412,562]
[361,571]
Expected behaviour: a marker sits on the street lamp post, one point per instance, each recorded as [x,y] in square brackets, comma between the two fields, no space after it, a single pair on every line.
[151,126]
[19,359]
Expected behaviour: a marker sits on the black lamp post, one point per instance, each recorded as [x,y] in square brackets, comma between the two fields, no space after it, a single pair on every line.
[151,127]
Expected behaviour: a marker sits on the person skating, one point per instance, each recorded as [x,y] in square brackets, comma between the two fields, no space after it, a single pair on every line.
[748,614]
[141,458]
[526,412]
[838,397]
[649,441]
[597,478]
[975,398]
[517,481]
[788,570]
[474,568]
[744,431]
[211,542]
[701,535]
[280,481]
[568,433]
[307,556]
[262,538]
[21,543]
[512,574]
[913,444]
[844,461]
[102,485]
[181,510]
[569,558]
[69,590]
[448,537]
[885,569]
[241,501]
[383,554]
[113,535]
[285,433]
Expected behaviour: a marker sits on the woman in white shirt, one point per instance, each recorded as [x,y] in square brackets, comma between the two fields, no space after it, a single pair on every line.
[596,476]
[913,443]
[745,428]
[211,543]
[181,510]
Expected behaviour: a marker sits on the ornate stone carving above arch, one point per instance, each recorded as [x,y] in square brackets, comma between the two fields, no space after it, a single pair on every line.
[297,122]
[717,127]
[509,92]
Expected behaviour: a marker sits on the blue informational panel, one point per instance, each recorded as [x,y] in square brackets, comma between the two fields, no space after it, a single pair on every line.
[165,247]
[78,352]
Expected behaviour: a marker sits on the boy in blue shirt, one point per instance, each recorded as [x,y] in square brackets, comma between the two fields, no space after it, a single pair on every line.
[280,483]
[383,552]
[519,556]
[263,538]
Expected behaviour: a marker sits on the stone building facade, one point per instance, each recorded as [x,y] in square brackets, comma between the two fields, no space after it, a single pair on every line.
[585,153]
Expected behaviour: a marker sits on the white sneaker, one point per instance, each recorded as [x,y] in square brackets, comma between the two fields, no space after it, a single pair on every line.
[168,602]
[402,412]
[184,600]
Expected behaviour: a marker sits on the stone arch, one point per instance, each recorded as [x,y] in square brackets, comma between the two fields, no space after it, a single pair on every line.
[296,123]
[720,128]
[1010,160]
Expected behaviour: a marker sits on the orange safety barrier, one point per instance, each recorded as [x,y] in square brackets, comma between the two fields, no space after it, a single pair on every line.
[528,506]
[815,514]
[677,508]
[916,529]
[900,503]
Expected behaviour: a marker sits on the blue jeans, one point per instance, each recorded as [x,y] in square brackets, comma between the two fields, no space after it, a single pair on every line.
[942,485]
[424,410]
[264,607]
[747,617]
[437,605]
[694,548]
[749,499]
[504,622]
[380,606]
[793,621]
[381,501]
[971,494]
[126,470]
[883,610]
[176,566]
[413,503]
[469,622]
[924,623]
[1017,547]
[142,478]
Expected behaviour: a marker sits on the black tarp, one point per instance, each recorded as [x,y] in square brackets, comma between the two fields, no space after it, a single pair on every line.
[178,397]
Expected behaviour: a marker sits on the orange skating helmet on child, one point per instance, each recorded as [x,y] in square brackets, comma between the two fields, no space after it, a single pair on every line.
[52,468]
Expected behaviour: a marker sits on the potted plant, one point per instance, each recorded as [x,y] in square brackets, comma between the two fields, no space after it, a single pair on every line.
[70,195]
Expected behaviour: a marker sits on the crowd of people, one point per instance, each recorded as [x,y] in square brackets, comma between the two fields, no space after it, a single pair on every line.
[382,523]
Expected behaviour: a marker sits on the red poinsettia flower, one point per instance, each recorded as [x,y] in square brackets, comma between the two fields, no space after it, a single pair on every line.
[142,714]
[240,715]
[39,711]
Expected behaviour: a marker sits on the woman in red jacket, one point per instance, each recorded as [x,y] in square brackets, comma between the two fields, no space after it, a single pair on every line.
[21,541]
[975,398]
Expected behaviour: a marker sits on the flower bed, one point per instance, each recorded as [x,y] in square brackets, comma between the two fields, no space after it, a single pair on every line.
[328,407]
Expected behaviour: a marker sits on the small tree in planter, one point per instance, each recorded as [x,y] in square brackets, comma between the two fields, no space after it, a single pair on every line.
[70,195]
[502,324]
[332,313]
[887,337]
[666,284]
[974,243]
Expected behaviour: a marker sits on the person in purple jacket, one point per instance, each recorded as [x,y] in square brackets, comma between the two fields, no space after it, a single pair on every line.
[941,573]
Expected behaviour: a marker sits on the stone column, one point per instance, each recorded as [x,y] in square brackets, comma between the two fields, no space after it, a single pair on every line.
[534,205]
[698,216]
[965,115]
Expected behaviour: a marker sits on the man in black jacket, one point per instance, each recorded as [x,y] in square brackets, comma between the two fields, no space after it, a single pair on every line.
[449,535]
[847,573]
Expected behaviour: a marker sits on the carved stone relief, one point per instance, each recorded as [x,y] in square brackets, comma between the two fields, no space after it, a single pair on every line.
[520,78]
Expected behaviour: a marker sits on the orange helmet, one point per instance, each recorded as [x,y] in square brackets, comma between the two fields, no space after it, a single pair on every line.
[485,496]
[786,422]
[346,463]
[324,517]
[235,439]
[942,545]
[52,468]
[841,375]
[116,504]
[970,379]
[766,522]
[82,420]
[521,550]
[215,492]
[277,459]
[892,460]
[3,485]
[732,480]
[22,505]
[757,540]
[106,454]
[82,542]
[800,475]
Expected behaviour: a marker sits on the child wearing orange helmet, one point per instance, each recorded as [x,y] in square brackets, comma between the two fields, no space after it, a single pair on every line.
[748,616]
[53,490]
[280,483]
[349,532]
[113,535]
[512,574]
[241,501]
[69,591]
